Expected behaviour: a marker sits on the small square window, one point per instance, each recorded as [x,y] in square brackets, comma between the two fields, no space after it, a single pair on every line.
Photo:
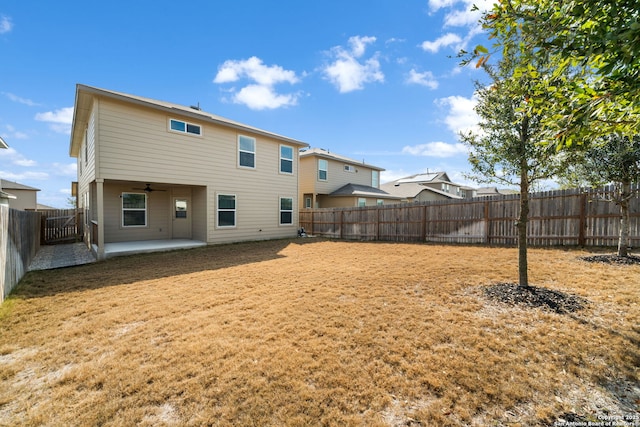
[134,210]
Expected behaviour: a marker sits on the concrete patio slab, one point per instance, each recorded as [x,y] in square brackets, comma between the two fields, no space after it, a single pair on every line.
[130,248]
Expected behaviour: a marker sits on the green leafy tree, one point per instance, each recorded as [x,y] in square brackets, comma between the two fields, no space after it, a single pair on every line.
[612,160]
[507,147]
[592,46]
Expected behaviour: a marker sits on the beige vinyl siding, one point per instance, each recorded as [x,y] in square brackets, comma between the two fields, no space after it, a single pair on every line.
[338,177]
[136,145]
[307,175]
[158,215]
[88,167]
[199,213]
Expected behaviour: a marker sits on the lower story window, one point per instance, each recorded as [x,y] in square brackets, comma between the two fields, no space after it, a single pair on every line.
[134,210]
[362,202]
[286,210]
[226,210]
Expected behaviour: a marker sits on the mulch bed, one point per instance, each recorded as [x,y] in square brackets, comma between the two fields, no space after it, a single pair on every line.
[613,259]
[532,296]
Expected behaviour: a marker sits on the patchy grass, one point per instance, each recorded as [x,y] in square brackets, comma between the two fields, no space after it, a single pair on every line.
[317,332]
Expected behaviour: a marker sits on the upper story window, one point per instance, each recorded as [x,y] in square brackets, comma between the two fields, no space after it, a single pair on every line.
[134,210]
[445,187]
[246,151]
[286,159]
[375,179]
[184,127]
[323,169]
[349,168]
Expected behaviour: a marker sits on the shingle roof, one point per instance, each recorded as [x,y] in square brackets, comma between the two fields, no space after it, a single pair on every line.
[10,185]
[321,152]
[361,190]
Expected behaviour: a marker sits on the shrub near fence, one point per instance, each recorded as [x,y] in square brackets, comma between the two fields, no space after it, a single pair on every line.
[563,217]
[19,242]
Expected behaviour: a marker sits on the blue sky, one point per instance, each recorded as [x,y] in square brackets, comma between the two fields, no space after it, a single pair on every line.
[373,80]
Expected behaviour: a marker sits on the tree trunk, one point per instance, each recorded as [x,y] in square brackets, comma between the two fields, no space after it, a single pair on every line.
[523,219]
[623,240]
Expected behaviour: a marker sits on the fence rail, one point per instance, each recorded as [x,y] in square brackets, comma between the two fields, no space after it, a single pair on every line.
[556,218]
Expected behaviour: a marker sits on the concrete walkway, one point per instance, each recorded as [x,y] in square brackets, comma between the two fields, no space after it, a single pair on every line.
[57,256]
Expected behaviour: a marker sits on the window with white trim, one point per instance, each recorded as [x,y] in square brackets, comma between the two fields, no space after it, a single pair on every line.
[349,168]
[226,209]
[246,151]
[362,202]
[286,159]
[375,179]
[184,127]
[286,210]
[380,202]
[323,169]
[134,210]
[307,202]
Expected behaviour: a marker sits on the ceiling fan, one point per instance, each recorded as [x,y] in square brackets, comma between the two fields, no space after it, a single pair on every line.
[148,189]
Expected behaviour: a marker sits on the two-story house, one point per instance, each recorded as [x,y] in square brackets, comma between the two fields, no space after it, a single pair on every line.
[152,170]
[330,180]
[428,186]
[21,197]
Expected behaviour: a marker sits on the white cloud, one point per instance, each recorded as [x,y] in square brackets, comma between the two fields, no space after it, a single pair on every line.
[60,119]
[259,93]
[258,97]
[5,25]
[461,116]
[65,169]
[435,5]
[435,149]
[254,69]
[28,175]
[443,41]
[16,158]
[347,72]
[13,134]
[423,79]
[16,98]
[359,44]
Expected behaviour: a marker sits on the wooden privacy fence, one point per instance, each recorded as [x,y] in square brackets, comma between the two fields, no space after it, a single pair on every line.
[61,226]
[563,217]
[19,242]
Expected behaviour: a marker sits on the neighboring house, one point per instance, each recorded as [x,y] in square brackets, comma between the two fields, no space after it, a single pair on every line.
[20,196]
[153,170]
[329,180]
[4,196]
[493,191]
[426,187]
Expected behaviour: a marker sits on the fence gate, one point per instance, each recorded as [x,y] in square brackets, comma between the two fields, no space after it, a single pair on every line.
[61,226]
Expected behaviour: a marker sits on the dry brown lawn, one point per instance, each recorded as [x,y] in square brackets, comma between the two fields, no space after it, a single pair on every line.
[318,332]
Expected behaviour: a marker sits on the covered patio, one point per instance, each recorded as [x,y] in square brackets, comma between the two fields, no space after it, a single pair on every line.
[146,246]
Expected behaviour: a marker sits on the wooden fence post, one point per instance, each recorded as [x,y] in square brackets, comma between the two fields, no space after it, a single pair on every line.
[582,240]
[487,224]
